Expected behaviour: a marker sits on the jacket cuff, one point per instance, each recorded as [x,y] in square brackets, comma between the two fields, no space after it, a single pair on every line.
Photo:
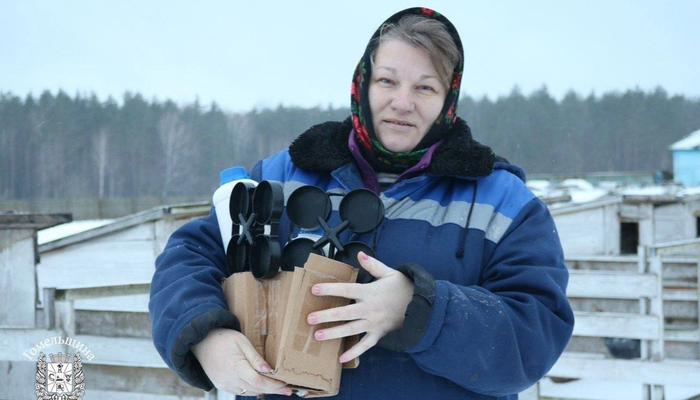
[417,312]
[184,362]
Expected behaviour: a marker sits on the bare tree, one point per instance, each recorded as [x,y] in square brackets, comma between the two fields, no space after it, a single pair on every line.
[242,136]
[99,154]
[7,163]
[176,148]
[47,157]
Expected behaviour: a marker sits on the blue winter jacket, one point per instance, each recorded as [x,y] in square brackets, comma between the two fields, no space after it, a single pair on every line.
[496,316]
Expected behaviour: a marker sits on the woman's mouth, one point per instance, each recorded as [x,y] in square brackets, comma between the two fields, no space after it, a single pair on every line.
[398,122]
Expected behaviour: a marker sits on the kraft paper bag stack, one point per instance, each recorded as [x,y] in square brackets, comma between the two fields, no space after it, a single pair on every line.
[273,312]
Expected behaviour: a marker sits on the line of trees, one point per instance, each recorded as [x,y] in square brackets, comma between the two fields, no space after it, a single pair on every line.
[628,131]
[57,146]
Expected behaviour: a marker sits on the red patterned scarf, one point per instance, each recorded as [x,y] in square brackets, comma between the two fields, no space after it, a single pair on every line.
[379,157]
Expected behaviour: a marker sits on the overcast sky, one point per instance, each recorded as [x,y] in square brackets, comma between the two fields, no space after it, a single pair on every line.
[246,54]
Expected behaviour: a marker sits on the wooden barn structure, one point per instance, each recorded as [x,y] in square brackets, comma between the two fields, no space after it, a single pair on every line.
[620,224]
[90,289]
[634,261]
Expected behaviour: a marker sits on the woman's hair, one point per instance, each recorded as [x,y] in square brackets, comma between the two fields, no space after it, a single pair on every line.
[427,34]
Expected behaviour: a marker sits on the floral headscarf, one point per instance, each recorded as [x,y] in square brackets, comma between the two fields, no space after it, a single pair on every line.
[376,154]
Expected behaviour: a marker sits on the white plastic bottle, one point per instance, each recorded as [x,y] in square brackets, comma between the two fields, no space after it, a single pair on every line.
[229,178]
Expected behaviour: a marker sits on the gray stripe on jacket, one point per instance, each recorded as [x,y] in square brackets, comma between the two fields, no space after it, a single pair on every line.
[483,217]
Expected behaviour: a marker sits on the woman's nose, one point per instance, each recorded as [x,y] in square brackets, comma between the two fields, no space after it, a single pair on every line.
[403,101]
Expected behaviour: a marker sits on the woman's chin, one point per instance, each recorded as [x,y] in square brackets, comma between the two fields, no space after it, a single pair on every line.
[398,146]
[398,149]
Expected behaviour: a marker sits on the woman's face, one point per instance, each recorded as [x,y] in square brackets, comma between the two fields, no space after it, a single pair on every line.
[405,95]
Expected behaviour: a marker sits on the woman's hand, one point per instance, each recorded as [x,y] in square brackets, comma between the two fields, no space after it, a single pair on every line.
[232,364]
[379,306]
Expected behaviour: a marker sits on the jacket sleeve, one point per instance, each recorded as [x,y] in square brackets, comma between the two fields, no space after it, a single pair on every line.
[503,335]
[187,299]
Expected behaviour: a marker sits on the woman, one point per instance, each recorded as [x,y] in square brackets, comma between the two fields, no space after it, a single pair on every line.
[469,300]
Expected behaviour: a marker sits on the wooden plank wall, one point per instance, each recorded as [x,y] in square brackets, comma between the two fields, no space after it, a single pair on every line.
[17,278]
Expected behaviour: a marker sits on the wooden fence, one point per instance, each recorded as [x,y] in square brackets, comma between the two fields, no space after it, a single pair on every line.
[591,278]
[652,370]
[122,367]
[611,279]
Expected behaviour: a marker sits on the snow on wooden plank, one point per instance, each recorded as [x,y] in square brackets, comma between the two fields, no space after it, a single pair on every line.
[682,335]
[633,326]
[93,394]
[97,265]
[102,292]
[145,231]
[137,304]
[609,390]
[666,372]
[689,293]
[72,228]
[128,352]
[114,226]
[15,342]
[99,251]
[93,275]
[611,285]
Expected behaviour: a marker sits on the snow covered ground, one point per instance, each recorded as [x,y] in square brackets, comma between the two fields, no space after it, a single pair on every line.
[578,191]
[587,389]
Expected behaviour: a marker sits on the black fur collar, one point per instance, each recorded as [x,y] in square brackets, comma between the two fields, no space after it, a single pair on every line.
[324,148]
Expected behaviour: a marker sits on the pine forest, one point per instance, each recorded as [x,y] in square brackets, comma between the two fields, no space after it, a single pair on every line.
[56,146]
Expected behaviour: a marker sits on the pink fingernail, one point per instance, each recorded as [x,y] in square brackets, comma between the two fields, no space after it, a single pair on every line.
[364,256]
[315,290]
[320,335]
[343,360]
[312,319]
[266,368]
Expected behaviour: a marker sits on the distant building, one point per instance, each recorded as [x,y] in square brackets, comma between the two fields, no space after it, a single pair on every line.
[686,159]
[617,224]
[612,225]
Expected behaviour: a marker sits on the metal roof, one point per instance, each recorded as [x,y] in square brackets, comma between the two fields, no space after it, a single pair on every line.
[12,220]
[186,210]
[690,142]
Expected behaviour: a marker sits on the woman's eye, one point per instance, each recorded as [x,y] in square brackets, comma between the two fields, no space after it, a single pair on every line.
[426,88]
[385,81]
